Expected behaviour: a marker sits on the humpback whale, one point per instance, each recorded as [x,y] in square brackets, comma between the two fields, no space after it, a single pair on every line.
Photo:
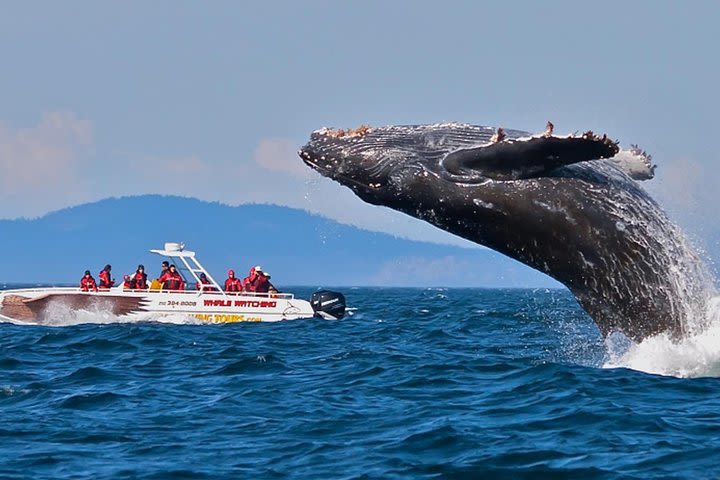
[569,206]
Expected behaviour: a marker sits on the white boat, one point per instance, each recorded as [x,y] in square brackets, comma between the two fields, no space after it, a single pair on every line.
[209,304]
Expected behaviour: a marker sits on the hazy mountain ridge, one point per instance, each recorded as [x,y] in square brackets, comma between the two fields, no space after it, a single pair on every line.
[297,247]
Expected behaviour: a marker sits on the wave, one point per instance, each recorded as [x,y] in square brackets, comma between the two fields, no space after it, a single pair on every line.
[696,355]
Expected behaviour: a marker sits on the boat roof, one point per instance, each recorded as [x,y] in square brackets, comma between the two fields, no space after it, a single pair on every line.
[173,250]
[188,260]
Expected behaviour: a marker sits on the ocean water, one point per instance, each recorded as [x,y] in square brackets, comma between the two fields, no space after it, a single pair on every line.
[415,383]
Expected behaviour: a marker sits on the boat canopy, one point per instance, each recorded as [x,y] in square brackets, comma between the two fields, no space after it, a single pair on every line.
[192,265]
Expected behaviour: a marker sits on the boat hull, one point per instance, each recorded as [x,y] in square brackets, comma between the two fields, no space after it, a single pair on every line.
[36,306]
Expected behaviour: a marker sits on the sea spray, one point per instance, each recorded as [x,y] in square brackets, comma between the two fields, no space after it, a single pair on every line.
[696,352]
[696,355]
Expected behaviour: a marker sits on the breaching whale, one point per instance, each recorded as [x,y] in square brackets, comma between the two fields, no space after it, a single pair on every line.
[569,206]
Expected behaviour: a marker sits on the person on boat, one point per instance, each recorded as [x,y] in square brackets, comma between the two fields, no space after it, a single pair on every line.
[205,281]
[250,281]
[271,288]
[87,283]
[233,284]
[106,280]
[140,279]
[172,280]
[263,285]
[128,282]
[165,267]
[156,284]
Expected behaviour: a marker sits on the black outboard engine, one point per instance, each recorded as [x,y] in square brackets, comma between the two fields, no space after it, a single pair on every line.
[328,305]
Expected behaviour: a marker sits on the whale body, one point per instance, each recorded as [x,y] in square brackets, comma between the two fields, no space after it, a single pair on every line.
[568,206]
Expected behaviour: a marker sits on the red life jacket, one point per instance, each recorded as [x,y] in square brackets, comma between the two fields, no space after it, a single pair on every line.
[233,285]
[262,285]
[105,280]
[140,280]
[172,281]
[249,282]
[205,282]
[87,284]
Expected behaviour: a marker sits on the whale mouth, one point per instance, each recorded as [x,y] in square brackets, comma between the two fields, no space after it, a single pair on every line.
[332,168]
[341,155]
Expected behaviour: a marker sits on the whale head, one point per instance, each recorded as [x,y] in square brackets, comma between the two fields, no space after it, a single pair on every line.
[425,165]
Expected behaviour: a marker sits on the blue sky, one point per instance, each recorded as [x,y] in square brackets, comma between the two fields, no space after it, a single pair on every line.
[212,99]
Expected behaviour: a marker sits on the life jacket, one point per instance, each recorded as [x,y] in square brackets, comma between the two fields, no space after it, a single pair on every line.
[105,280]
[172,281]
[140,280]
[250,282]
[262,284]
[163,272]
[87,284]
[233,285]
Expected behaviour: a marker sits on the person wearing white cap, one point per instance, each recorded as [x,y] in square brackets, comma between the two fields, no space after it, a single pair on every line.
[263,285]
[271,288]
[250,281]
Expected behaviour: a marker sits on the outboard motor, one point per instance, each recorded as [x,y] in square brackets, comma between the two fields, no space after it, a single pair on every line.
[328,305]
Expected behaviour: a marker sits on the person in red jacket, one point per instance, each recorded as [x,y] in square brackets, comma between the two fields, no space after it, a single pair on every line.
[271,288]
[250,281]
[172,280]
[203,284]
[139,281]
[87,283]
[106,280]
[262,284]
[233,284]
[165,267]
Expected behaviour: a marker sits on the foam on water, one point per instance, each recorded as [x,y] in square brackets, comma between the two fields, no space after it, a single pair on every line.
[697,355]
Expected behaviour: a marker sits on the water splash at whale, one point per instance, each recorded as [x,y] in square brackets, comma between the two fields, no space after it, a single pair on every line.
[697,355]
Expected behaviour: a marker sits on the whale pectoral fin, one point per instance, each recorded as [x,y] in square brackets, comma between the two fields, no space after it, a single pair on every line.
[635,162]
[512,160]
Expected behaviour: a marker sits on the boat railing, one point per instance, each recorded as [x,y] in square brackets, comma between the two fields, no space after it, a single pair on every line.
[115,290]
[47,289]
[220,293]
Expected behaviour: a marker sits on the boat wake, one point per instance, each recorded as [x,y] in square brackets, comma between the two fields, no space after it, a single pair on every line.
[696,355]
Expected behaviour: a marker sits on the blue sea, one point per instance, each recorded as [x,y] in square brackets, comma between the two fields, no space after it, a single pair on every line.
[415,383]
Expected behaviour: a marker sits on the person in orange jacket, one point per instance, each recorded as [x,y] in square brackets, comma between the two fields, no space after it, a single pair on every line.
[263,285]
[250,281]
[205,281]
[172,280]
[165,268]
[139,280]
[233,284]
[106,280]
[87,283]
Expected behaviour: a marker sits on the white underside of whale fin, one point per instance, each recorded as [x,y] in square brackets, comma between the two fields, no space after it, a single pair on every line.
[635,162]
